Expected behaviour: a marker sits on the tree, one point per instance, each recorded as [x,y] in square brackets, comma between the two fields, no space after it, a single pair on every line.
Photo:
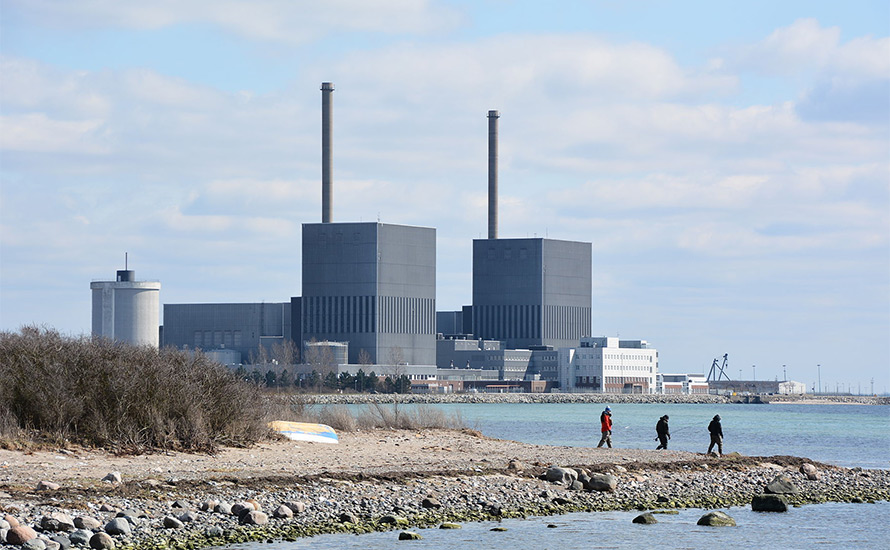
[346,381]
[360,380]
[285,352]
[258,357]
[271,378]
[319,356]
[331,381]
[284,379]
[364,358]
[314,380]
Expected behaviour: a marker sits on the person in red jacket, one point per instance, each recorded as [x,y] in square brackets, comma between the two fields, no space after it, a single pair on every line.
[606,422]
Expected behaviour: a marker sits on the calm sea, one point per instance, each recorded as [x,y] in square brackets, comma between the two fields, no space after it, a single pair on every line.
[846,435]
[829,526]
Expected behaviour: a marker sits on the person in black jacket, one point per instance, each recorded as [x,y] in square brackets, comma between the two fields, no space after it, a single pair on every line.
[663,432]
[716,435]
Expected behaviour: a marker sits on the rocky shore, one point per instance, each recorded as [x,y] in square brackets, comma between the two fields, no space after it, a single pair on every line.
[374,481]
[428,399]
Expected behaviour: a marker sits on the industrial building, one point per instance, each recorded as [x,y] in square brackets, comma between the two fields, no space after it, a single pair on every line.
[237,328]
[681,383]
[531,292]
[372,285]
[608,365]
[126,310]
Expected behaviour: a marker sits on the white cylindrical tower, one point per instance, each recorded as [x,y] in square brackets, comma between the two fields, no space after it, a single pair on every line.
[127,310]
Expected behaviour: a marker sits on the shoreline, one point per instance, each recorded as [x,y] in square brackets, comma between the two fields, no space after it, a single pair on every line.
[598,398]
[383,480]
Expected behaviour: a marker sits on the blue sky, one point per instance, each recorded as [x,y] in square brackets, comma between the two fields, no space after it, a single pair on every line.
[728,161]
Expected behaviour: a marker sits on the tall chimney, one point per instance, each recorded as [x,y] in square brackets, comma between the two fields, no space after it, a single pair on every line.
[327,88]
[493,174]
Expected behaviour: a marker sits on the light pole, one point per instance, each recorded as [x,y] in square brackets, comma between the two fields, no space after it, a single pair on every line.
[754,368]
[784,374]
[819,371]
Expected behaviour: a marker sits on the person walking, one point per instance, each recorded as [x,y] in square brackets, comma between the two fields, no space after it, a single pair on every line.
[663,432]
[606,428]
[716,435]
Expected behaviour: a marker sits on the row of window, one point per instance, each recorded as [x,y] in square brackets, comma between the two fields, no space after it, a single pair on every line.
[367,314]
[217,338]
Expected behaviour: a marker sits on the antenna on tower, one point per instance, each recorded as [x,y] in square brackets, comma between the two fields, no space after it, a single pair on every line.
[126,261]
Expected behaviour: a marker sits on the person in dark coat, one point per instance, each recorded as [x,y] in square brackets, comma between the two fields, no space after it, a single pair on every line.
[663,432]
[716,435]
[606,428]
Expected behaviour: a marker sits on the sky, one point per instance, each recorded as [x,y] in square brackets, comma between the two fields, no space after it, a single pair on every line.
[729,162]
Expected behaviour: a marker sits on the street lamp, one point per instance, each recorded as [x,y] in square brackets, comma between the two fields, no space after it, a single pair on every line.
[754,368]
[819,370]
[784,374]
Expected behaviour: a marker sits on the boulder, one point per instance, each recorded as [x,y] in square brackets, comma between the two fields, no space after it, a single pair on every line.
[240,507]
[255,504]
[296,507]
[34,544]
[223,508]
[182,504]
[172,523]
[447,525]
[48,486]
[781,485]
[112,477]
[716,519]
[498,529]
[810,471]
[4,524]
[187,517]
[564,476]
[80,537]
[215,531]
[87,522]
[515,465]
[646,519]
[348,517]
[117,526]
[393,520]
[601,482]
[20,534]
[101,541]
[3,531]
[62,540]
[208,505]
[769,503]
[409,535]
[107,508]
[253,517]
[431,503]
[57,521]
[283,512]
[10,520]
[576,486]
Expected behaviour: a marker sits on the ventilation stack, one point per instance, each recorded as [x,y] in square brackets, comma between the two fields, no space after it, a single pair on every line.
[327,89]
[493,174]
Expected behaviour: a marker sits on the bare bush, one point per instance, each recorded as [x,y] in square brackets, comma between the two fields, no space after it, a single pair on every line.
[339,418]
[129,398]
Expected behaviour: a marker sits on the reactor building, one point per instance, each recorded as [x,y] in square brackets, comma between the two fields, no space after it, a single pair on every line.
[126,310]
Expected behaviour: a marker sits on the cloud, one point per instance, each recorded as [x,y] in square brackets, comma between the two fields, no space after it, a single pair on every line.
[284,21]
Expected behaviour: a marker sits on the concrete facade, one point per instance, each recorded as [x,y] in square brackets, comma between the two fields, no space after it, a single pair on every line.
[494,358]
[608,365]
[681,384]
[372,285]
[531,292]
[238,327]
[126,310]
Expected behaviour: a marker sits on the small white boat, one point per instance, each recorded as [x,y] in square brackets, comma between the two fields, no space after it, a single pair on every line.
[305,431]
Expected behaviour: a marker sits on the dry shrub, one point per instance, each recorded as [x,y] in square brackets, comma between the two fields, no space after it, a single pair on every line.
[338,418]
[417,417]
[129,398]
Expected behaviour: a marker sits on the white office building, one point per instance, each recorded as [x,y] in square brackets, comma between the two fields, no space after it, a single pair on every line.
[683,383]
[608,365]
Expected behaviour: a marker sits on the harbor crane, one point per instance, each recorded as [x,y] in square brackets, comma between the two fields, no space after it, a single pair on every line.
[718,371]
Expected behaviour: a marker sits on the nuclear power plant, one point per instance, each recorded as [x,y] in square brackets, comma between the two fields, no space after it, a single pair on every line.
[370,289]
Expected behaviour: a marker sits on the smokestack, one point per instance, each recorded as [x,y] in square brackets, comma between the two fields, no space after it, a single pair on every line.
[327,88]
[493,174]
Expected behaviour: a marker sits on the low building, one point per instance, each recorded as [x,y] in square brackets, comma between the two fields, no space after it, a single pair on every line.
[608,365]
[681,384]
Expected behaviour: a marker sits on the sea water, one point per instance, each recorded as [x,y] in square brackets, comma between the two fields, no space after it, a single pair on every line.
[846,435]
[829,526]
